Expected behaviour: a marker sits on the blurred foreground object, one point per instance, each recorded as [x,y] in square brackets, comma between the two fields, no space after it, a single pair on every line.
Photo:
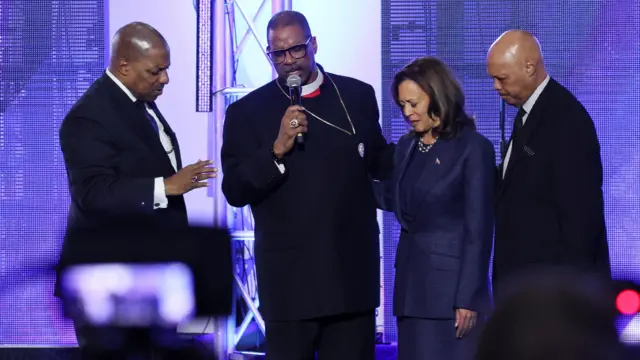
[128,285]
[553,315]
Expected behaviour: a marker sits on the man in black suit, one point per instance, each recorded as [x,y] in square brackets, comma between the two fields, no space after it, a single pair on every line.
[316,233]
[549,210]
[122,158]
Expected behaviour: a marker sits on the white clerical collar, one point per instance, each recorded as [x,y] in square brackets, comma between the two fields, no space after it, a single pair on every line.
[536,94]
[315,85]
[121,86]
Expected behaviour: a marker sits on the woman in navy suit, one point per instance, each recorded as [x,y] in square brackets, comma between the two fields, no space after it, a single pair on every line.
[442,195]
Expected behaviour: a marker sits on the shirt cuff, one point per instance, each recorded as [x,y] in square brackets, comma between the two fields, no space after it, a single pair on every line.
[280,167]
[160,200]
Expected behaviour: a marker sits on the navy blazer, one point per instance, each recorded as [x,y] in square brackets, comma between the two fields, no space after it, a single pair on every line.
[442,259]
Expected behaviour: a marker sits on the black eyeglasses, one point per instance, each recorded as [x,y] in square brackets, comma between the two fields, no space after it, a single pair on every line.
[296,52]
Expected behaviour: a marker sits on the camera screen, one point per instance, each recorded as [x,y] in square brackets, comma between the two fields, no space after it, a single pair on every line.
[129,295]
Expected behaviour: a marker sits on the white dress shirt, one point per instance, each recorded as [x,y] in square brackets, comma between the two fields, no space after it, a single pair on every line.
[160,200]
[527,108]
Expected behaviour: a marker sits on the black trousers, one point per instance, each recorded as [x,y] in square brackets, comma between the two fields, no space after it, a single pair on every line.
[340,337]
[91,341]
[113,344]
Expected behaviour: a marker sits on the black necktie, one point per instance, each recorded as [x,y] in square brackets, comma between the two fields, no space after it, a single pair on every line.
[141,105]
[517,123]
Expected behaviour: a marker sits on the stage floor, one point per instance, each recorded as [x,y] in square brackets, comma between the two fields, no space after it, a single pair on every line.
[383,352]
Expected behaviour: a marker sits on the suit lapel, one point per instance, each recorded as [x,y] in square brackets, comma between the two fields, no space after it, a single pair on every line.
[517,148]
[170,133]
[433,172]
[403,153]
[138,122]
[448,152]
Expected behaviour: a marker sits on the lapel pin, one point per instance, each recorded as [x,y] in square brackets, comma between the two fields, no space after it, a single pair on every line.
[437,161]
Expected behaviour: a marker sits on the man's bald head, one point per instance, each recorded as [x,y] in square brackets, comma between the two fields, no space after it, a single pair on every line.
[515,45]
[139,59]
[515,63]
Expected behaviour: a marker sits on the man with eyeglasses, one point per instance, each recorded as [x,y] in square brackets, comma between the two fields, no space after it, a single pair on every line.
[316,233]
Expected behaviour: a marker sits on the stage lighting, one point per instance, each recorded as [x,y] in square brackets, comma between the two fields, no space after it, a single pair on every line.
[628,302]
[203,62]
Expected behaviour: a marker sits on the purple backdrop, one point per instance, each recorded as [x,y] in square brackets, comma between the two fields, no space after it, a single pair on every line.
[50,51]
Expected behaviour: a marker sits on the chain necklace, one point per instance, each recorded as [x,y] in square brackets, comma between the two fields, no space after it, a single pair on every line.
[321,119]
[424,148]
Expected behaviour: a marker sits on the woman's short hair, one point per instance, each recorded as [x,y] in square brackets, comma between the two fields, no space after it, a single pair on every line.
[445,94]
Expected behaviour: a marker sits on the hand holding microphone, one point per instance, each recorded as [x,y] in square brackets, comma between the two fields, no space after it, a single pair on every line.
[294,83]
[294,122]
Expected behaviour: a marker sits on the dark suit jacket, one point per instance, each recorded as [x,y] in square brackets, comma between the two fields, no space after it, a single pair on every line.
[112,156]
[442,260]
[549,209]
[316,232]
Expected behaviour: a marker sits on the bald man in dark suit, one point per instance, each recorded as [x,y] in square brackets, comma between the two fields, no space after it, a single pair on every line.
[549,207]
[122,158]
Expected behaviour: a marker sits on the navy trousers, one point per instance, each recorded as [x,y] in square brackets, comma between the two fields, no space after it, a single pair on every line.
[433,339]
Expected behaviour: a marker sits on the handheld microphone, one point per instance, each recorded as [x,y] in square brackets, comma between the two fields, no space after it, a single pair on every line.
[294,82]
[503,141]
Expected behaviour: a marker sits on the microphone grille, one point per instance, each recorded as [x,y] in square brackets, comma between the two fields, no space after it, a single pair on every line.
[294,81]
